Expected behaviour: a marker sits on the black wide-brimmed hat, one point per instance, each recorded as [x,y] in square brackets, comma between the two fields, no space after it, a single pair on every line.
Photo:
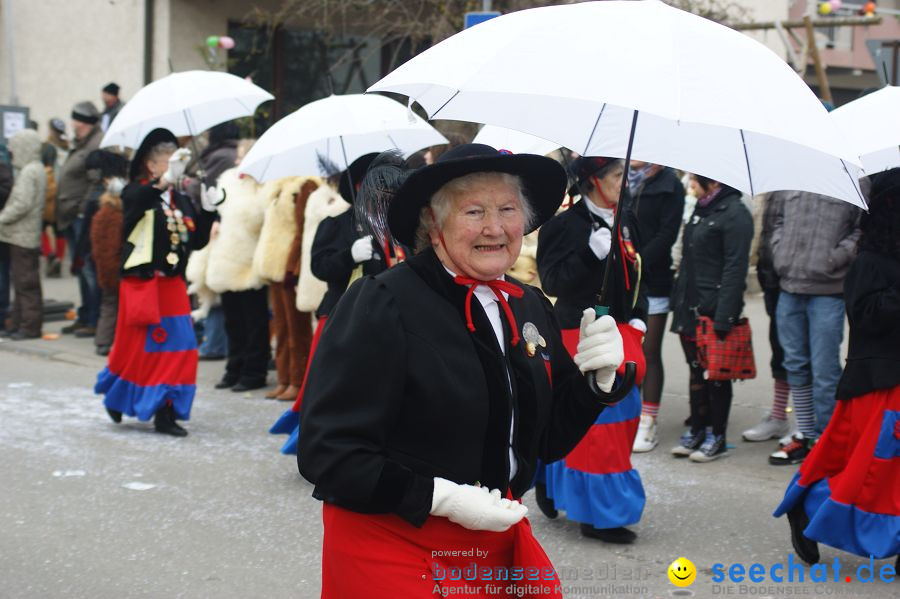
[155,137]
[357,172]
[543,182]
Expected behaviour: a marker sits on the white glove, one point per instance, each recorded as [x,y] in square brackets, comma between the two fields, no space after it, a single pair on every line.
[177,161]
[638,324]
[600,241]
[599,348]
[210,198]
[473,507]
[362,249]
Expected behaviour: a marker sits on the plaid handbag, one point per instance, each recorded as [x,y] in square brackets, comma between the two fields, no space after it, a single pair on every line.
[725,359]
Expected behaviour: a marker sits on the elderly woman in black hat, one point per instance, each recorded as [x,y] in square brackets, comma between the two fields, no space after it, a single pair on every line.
[596,484]
[152,368]
[439,384]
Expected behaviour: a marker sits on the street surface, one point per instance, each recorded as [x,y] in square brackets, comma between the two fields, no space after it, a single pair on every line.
[90,509]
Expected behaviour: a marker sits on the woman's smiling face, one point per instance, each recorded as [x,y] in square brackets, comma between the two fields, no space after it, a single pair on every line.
[482,233]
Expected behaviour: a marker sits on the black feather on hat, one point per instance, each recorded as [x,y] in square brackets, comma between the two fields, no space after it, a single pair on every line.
[155,137]
[543,183]
[356,171]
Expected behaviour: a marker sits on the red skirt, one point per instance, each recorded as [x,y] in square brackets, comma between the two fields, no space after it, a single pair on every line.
[312,352]
[381,556]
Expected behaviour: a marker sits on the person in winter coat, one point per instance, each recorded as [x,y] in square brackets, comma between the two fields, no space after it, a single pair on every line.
[658,203]
[429,401]
[20,227]
[73,191]
[54,154]
[106,249]
[710,282]
[814,242]
[279,263]
[596,484]
[6,183]
[229,272]
[846,493]
[152,367]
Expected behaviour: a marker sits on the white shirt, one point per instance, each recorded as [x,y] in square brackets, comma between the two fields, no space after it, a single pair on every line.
[606,214]
[488,301]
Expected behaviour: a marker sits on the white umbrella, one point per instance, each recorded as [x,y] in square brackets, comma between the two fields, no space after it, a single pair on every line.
[337,130]
[514,141]
[710,99]
[185,103]
[872,124]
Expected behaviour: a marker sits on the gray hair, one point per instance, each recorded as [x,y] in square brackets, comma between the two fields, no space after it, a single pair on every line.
[165,147]
[435,212]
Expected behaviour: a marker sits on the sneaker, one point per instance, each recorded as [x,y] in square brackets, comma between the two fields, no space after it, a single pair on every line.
[690,442]
[792,453]
[713,448]
[787,438]
[645,440]
[768,428]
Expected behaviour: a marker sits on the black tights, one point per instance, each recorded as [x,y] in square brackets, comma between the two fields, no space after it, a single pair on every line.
[654,377]
[710,400]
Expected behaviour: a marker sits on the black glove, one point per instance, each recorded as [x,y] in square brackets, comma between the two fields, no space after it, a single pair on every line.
[290,279]
[721,332]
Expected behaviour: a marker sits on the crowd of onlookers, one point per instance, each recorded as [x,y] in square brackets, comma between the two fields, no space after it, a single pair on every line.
[254,286]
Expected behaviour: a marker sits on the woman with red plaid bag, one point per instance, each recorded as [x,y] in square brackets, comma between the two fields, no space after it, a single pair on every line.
[710,282]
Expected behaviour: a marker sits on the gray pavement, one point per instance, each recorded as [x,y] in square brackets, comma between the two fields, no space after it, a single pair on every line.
[92,509]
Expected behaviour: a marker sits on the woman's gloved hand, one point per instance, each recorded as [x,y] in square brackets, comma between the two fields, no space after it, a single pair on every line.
[473,507]
[362,249]
[177,161]
[599,348]
[600,241]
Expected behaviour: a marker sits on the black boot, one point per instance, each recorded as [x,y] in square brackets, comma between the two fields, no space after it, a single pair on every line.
[806,548]
[619,536]
[164,422]
[114,415]
[546,505]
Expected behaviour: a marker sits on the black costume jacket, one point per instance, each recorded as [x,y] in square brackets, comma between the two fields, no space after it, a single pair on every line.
[872,294]
[331,261]
[570,271]
[136,200]
[400,392]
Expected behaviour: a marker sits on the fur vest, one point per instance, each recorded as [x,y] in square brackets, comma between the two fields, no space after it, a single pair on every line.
[321,204]
[195,273]
[230,265]
[106,241]
[280,231]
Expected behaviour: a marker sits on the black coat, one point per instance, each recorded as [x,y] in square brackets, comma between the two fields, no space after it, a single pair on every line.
[400,392]
[138,198]
[714,264]
[872,295]
[659,204]
[571,272]
[332,262]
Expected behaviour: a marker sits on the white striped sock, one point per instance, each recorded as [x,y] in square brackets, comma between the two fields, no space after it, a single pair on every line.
[802,399]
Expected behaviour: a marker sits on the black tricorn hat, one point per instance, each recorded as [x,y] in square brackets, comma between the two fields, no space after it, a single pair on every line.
[357,172]
[543,182]
[157,136]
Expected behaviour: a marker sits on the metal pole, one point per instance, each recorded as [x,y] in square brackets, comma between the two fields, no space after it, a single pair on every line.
[486,5]
[8,30]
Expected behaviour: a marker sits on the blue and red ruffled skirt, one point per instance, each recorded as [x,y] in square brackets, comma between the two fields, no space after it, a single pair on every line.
[153,361]
[849,485]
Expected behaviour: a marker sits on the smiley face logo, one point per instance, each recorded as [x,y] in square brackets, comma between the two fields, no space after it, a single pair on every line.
[682,572]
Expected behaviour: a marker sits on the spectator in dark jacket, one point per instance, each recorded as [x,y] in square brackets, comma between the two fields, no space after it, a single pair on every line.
[710,282]
[6,183]
[658,202]
[814,241]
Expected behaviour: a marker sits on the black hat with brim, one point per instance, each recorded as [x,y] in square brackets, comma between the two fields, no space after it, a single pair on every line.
[357,172]
[543,183]
[155,137]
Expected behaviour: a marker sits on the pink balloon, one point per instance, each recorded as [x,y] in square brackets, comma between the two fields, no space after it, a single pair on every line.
[835,5]
[226,42]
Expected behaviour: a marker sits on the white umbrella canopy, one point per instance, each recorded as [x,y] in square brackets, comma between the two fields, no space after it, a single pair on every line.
[710,99]
[516,142]
[185,103]
[872,124]
[336,129]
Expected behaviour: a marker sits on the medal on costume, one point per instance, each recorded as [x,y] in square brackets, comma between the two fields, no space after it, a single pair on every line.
[532,338]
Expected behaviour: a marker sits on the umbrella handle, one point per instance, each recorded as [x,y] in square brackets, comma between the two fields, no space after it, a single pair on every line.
[618,393]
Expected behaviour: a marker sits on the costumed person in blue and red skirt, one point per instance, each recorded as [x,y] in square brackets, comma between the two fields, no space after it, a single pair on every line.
[152,368]
[596,484]
[847,491]
[344,248]
[440,383]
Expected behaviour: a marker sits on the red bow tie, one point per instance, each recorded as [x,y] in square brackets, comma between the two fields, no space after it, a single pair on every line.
[498,287]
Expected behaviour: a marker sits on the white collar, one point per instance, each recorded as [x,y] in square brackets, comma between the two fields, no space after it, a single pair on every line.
[606,214]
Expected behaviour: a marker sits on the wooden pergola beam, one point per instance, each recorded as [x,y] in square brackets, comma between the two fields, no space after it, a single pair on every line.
[819,22]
